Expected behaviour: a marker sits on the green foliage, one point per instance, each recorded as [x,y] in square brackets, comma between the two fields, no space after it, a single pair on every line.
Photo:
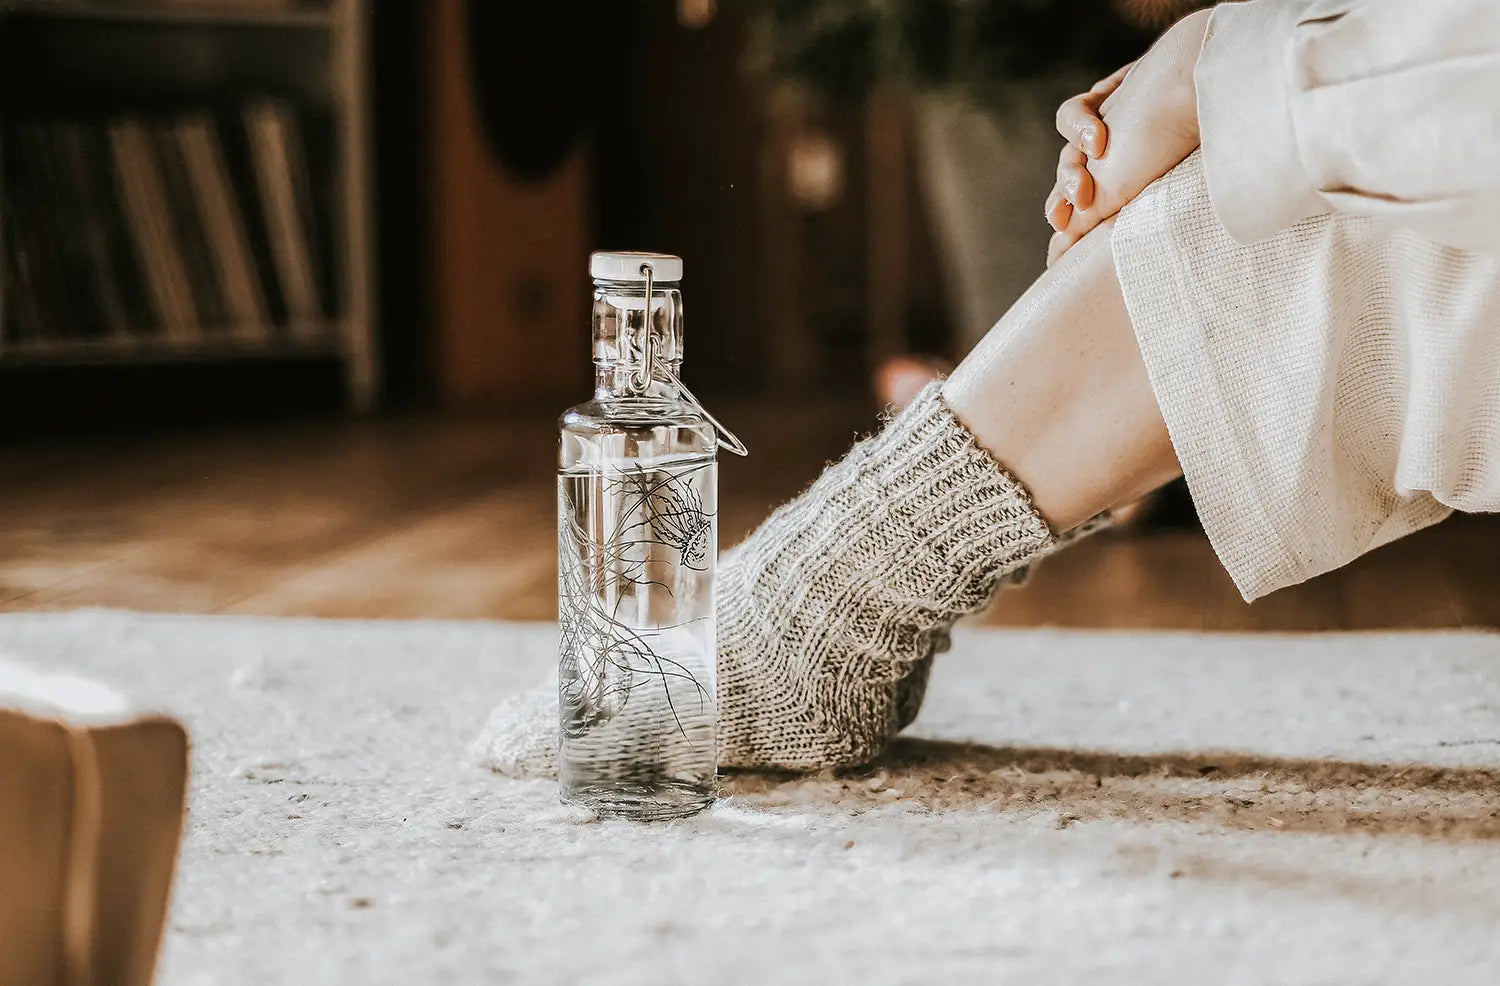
[843,48]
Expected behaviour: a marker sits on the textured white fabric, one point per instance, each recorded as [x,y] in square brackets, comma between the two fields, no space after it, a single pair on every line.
[1383,108]
[1327,390]
[1140,809]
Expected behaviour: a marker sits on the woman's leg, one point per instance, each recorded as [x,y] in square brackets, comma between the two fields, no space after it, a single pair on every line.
[1058,393]
[830,613]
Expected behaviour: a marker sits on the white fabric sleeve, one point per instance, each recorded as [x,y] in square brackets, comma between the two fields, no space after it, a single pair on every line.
[1255,175]
[1381,108]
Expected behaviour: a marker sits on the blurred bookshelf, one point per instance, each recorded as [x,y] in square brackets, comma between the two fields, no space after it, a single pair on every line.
[186,182]
[274,14]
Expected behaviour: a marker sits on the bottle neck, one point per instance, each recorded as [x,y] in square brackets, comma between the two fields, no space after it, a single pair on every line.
[634,336]
[620,381]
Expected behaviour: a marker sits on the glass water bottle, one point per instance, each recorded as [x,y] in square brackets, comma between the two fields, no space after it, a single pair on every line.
[637,547]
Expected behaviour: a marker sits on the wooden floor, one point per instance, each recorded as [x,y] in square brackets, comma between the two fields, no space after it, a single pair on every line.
[455,519]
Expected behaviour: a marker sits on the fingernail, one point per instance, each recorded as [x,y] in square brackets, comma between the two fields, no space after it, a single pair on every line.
[1089,137]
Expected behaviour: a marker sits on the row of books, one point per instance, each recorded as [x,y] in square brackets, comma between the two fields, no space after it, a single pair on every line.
[206,223]
[136,6]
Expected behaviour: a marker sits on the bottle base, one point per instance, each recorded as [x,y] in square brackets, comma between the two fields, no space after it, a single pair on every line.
[661,803]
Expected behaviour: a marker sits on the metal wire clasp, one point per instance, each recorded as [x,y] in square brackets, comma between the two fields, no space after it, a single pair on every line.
[651,363]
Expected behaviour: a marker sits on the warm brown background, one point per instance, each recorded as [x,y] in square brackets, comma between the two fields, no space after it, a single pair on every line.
[443,518]
[264,497]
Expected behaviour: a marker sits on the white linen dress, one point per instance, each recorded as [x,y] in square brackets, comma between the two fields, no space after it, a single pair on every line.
[1316,292]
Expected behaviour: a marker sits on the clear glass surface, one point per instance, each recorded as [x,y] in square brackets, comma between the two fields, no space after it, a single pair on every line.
[637,548]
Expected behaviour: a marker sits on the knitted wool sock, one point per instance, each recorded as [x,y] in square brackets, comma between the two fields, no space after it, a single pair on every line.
[830,613]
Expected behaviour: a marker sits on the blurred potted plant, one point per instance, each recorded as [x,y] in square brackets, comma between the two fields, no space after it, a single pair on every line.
[985,78]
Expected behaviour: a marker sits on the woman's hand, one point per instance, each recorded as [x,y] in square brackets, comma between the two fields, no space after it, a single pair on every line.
[1125,132]
[1080,123]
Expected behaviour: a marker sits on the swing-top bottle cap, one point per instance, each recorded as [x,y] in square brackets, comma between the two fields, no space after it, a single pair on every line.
[626,266]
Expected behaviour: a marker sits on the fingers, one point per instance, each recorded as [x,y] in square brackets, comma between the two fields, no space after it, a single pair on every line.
[1074,190]
[1079,119]
[1080,125]
[1058,210]
[1058,245]
[1080,222]
[1073,178]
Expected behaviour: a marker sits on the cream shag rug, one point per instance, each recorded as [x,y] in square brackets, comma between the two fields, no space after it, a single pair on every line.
[1076,808]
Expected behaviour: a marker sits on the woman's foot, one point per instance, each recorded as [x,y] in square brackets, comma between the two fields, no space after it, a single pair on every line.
[830,613]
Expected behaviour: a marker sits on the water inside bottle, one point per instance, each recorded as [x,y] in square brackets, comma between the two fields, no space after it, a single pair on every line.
[637,542]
